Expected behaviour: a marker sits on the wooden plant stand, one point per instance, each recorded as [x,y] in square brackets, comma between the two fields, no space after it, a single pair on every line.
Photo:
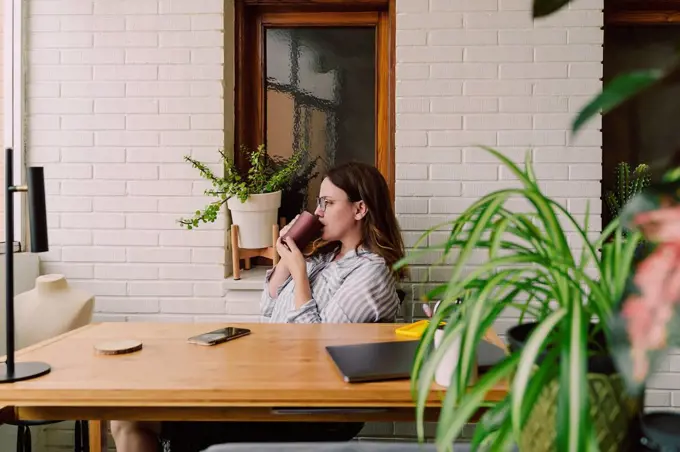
[238,253]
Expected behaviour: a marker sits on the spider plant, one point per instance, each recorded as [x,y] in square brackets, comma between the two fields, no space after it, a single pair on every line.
[532,268]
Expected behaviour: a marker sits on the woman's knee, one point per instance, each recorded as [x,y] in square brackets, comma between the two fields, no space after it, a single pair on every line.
[124,428]
[119,428]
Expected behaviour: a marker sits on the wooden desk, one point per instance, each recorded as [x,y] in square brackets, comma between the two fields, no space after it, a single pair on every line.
[279,372]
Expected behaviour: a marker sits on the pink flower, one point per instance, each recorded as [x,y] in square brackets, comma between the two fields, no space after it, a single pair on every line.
[661,225]
[648,313]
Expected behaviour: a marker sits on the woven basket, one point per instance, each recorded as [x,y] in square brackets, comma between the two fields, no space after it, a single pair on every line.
[611,410]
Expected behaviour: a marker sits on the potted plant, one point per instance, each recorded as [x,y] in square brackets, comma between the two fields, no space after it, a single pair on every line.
[560,366]
[252,196]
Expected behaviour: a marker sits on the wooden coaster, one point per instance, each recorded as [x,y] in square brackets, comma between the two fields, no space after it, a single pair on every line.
[118,347]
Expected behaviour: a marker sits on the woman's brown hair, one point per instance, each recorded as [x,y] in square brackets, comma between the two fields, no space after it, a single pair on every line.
[380,230]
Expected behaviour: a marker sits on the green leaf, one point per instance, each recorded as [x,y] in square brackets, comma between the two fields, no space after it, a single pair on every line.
[475,235]
[497,237]
[672,175]
[533,347]
[492,421]
[544,8]
[573,424]
[619,90]
[474,325]
[503,440]
[493,432]
[541,377]
[531,175]
[474,398]
[628,255]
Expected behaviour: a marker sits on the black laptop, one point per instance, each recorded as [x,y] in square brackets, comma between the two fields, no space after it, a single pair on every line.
[380,361]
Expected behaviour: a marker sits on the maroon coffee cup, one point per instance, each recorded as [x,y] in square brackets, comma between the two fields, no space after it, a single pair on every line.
[305,229]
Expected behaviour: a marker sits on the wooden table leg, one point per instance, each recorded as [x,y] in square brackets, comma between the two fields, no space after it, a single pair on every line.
[275,238]
[235,257]
[98,436]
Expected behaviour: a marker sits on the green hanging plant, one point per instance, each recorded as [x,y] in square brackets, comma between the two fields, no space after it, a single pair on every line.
[264,175]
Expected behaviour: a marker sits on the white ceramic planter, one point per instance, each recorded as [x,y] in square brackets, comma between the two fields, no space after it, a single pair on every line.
[255,218]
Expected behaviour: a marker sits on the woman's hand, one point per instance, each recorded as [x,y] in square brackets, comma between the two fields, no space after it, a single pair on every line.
[292,258]
[282,232]
[281,270]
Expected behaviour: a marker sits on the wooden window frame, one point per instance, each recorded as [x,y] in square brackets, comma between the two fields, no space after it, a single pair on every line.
[252,15]
[641,12]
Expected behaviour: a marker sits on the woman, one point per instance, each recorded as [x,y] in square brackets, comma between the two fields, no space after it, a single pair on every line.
[347,278]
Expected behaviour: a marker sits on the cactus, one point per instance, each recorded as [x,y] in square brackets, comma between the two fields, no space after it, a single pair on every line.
[627,186]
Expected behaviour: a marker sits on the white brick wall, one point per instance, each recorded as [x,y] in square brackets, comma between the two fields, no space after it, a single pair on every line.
[483,72]
[119,91]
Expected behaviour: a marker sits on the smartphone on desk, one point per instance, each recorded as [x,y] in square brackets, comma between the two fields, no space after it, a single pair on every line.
[219,336]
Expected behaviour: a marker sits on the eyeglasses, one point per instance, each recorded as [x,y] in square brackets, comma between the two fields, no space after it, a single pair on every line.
[321,203]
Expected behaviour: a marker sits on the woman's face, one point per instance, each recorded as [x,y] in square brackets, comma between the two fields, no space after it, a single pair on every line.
[340,215]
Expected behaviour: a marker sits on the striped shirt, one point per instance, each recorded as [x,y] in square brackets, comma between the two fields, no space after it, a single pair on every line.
[357,288]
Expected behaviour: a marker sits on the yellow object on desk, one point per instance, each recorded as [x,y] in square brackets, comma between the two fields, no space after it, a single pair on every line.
[415,329]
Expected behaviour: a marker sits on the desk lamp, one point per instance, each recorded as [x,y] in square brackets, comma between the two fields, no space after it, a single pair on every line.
[12,371]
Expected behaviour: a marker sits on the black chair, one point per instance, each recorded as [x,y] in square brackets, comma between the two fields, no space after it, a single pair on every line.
[402,296]
[81,435]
